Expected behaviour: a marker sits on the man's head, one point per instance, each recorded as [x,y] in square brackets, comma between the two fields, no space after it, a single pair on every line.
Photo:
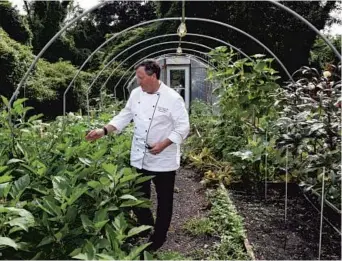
[148,73]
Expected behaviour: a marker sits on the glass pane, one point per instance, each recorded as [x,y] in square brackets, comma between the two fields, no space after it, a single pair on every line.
[177,81]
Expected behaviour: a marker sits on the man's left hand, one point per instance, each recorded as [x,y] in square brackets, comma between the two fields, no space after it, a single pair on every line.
[160,146]
[157,148]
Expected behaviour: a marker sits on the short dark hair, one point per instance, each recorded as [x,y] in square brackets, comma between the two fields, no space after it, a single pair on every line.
[151,67]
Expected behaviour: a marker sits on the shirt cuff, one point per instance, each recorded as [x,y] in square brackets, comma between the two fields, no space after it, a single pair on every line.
[175,137]
[116,125]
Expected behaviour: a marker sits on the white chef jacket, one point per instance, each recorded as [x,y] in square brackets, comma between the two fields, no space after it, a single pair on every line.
[156,117]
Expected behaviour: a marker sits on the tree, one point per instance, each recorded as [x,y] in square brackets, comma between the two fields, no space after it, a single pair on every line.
[14,24]
[288,37]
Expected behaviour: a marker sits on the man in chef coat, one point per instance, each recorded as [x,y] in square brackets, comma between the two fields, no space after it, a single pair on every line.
[161,123]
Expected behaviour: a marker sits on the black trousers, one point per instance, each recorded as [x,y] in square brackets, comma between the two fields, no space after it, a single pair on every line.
[164,183]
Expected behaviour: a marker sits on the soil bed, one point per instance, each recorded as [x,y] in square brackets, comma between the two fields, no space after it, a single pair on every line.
[272,238]
[189,202]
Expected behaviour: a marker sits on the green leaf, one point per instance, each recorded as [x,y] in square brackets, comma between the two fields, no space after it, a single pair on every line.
[148,256]
[4,189]
[85,161]
[50,206]
[110,168]
[19,101]
[90,250]
[22,222]
[81,257]
[46,240]
[131,203]
[6,241]
[105,257]
[105,181]
[3,168]
[128,178]
[128,197]
[86,222]
[137,230]
[5,101]
[111,236]
[29,169]
[20,185]
[143,179]
[99,154]
[101,224]
[5,178]
[71,215]
[61,187]
[35,117]
[135,252]
[100,215]
[12,161]
[77,192]
[94,184]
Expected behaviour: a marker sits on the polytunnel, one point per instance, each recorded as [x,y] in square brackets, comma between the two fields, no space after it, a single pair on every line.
[265,149]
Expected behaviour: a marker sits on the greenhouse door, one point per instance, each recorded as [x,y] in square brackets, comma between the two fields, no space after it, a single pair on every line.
[178,78]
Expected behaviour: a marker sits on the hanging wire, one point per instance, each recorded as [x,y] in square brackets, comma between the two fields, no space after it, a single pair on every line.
[321,221]
[266,153]
[286,178]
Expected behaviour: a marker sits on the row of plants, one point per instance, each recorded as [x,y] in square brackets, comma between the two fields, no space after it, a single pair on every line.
[222,223]
[258,126]
[62,197]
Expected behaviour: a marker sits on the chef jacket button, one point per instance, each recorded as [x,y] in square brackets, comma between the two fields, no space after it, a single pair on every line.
[136,114]
[150,118]
[145,130]
[139,102]
[153,106]
[137,149]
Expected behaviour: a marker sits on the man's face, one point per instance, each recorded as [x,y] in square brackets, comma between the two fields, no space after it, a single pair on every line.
[144,80]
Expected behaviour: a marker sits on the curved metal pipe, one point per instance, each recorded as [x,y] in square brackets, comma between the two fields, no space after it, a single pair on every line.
[186,42]
[104,43]
[148,47]
[14,95]
[172,19]
[16,92]
[166,55]
[168,49]
[308,24]
[159,36]
[186,49]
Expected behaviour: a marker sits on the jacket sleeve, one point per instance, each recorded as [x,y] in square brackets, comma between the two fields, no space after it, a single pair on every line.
[125,116]
[180,119]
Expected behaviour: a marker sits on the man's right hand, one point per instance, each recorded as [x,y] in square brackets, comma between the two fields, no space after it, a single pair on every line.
[95,134]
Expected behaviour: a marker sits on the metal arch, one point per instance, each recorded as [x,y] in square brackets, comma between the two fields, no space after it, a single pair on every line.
[159,36]
[308,24]
[205,62]
[188,54]
[145,23]
[14,95]
[155,52]
[173,19]
[168,49]
[123,87]
[246,34]
[23,80]
[148,47]
[107,41]
[170,42]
